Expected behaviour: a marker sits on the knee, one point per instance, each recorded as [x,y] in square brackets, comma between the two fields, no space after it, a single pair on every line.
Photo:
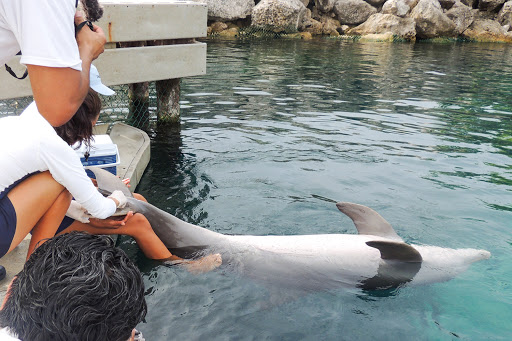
[139,197]
[64,198]
[140,221]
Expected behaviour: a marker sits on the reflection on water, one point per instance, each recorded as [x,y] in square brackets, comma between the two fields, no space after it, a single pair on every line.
[279,130]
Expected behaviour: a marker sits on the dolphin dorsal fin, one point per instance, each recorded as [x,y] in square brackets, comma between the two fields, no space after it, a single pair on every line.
[108,182]
[368,221]
[396,251]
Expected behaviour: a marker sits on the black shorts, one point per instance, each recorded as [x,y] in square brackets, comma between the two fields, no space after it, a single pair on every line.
[7,224]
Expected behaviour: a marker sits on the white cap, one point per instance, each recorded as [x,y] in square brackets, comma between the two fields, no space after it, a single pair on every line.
[96,84]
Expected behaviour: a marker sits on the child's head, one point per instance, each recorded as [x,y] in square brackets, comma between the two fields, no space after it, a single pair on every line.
[79,128]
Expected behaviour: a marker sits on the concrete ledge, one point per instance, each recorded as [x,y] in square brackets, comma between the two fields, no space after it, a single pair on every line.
[126,65]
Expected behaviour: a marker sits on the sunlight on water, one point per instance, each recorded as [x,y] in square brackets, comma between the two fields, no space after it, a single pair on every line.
[278,131]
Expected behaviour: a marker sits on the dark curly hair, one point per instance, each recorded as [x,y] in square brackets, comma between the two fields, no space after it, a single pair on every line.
[79,128]
[75,286]
[93,10]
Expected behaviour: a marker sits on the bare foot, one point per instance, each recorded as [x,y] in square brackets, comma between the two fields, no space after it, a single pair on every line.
[205,264]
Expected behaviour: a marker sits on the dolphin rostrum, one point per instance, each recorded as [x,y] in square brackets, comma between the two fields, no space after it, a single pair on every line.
[376,258]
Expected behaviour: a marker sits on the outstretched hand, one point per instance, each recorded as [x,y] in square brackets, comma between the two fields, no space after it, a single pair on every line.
[110,223]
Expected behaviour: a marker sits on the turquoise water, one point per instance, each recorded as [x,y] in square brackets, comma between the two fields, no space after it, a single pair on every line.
[279,129]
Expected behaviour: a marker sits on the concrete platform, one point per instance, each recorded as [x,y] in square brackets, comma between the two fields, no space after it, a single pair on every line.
[134,152]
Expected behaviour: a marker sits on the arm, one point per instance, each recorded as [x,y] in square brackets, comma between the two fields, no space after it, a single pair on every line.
[59,91]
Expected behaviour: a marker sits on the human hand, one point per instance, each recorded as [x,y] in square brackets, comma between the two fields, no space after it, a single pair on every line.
[91,43]
[77,212]
[119,198]
[110,223]
[127,182]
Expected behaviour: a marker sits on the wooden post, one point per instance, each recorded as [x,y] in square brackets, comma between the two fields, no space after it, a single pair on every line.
[168,101]
[138,94]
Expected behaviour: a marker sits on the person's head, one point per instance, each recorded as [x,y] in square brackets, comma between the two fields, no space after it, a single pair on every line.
[75,286]
[79,128]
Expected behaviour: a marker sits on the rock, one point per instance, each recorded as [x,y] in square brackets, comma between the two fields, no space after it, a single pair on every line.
[506,27]
[430,20]
[462,16]
[306,35]
[305,2]
[229,33]
[330,26]
[411,3]
[315,27]
[222,10]
[353,12]
[447,4]
[306,20]
[388,37]
[489,5]
[325,5]
[281,15]
[386,23]
[487,30]
[218,27]
[505,15]
[396,7]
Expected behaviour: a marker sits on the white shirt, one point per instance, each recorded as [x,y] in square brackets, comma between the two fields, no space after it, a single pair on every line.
[43,30]
[6,336]
[28,144]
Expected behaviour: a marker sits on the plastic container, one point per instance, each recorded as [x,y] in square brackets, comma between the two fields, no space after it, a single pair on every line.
[103,154]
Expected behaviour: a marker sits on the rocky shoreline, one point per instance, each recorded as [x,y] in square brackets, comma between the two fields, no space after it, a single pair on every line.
[380,20]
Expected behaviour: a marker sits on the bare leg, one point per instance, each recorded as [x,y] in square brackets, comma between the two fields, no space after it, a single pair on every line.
[40,203]
[139,228]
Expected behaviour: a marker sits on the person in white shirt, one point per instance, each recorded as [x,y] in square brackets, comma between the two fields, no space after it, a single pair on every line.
[58,62]
[40,173]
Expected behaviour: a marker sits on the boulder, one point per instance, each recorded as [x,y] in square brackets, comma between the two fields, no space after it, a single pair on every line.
[353,12]
[386,23]
[396,7]
[280,15]
[325,5]
[505,15]
[314,27]
[222,10]
[430,20]
[462,16]
[487,30]
[218,27]
[330,26]
[489,5]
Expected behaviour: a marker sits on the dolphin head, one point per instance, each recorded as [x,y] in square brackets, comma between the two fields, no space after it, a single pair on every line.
[442,264]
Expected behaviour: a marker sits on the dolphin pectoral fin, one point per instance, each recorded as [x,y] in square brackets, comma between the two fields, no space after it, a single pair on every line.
[396,251]
[400,263]
[368,221]
[108,182]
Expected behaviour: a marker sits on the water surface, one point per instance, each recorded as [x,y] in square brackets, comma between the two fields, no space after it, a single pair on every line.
[277,130]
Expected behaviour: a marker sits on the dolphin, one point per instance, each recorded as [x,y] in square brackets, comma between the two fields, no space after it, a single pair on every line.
[375,258]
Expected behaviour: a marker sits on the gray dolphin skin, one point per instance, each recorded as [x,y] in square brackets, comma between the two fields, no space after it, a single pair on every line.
[375,258]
